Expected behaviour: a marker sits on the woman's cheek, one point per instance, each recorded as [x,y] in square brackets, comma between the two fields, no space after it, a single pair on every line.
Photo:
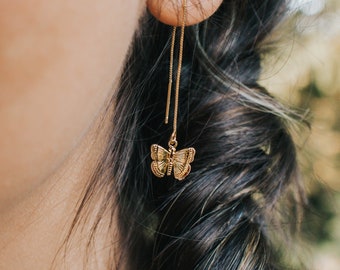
[58,64]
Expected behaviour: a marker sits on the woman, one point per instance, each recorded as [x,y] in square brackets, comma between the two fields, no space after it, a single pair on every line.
[82,99]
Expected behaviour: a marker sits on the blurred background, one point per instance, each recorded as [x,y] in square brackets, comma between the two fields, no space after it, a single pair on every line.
[304,72]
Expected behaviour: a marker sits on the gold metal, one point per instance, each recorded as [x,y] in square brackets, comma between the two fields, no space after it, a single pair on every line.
[165,161]
[171,68]
[179,68]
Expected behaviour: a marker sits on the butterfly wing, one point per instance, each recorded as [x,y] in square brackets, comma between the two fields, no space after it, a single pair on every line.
[160,158]
[182,160]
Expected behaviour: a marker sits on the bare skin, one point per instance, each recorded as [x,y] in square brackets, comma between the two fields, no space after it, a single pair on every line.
[170,12]
[59,63]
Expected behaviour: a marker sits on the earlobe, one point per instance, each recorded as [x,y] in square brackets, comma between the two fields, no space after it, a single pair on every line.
[170,11]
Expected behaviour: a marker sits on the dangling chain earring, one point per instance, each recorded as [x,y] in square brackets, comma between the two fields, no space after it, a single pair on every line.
[166,161]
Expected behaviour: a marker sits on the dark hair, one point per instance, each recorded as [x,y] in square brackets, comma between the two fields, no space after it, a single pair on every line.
[222,215]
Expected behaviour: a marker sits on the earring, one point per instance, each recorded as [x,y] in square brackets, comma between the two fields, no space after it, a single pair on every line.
[164,162]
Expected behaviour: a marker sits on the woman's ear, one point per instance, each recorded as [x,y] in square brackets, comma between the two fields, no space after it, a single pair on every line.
[170,11]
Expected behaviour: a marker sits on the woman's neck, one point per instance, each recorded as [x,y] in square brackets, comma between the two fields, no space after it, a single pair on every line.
[34,228]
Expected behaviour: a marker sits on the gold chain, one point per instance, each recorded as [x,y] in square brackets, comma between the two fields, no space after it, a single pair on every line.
[173,39]
[179,70]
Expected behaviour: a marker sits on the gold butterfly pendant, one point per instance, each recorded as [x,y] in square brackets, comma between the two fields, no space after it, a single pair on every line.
[166,161]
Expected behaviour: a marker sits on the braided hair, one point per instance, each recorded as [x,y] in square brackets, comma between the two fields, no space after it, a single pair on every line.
[222,216]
